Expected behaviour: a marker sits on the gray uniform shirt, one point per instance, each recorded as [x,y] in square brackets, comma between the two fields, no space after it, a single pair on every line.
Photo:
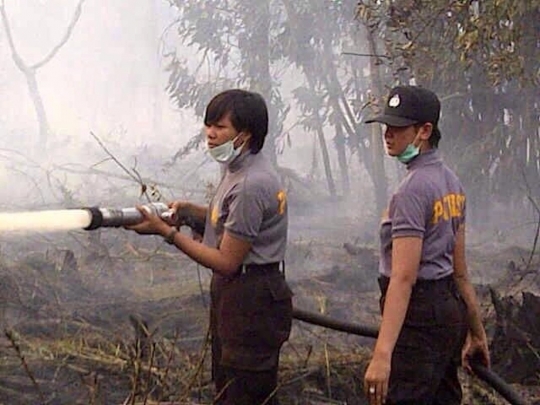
[429,204]
[251,204]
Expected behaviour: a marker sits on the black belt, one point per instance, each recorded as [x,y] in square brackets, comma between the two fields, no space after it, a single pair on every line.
[421,285]
[267,268]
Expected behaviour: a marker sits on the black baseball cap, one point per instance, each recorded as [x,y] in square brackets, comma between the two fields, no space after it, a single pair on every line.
[409,105]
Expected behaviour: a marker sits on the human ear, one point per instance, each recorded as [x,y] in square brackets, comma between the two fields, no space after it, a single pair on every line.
[244,136]
[425,131]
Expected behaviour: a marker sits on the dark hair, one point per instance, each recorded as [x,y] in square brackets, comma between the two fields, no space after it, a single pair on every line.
[247,112]
[435,136]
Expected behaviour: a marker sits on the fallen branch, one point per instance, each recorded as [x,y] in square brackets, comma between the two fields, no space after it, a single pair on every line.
[482,372]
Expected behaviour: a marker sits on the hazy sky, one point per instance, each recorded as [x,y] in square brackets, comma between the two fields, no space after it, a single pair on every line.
[108,78]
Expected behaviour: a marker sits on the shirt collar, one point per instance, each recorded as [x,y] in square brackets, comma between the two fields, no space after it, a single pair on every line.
[240,161]
[428,157]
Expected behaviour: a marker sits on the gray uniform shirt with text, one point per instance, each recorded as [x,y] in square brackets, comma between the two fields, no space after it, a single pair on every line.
[251,204]
[429,204]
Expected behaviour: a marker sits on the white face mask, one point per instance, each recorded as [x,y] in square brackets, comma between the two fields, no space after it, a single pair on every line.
[225,153]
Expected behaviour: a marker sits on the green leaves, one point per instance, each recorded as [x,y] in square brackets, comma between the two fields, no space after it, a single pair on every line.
[483,59]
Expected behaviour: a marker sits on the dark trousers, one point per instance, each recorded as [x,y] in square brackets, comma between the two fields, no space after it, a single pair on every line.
[427,355]
[250,319]
[244,387]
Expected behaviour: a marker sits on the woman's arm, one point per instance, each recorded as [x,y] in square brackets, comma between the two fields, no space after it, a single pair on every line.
[477,340]
[406,253]
[225,260]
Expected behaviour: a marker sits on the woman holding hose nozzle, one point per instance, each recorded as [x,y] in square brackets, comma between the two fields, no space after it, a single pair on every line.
[430,315]
[244,243]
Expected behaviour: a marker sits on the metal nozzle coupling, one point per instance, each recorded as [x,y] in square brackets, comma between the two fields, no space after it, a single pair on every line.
[117,217]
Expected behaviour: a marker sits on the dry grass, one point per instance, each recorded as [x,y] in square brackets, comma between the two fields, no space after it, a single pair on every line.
[76,344]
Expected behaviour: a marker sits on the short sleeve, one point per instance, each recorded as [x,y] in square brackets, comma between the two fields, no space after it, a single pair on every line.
[408,214]
[246,210]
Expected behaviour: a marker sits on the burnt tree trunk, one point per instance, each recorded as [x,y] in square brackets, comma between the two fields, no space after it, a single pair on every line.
[515,346]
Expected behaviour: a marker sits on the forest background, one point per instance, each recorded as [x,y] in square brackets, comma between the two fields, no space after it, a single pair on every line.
[102,104]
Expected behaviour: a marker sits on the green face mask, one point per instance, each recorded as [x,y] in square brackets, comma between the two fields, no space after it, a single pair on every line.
[410,152]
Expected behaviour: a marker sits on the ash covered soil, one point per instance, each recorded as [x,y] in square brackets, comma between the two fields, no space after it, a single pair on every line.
[108,317]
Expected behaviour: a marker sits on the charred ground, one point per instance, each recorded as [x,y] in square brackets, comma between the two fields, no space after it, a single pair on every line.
[112,318]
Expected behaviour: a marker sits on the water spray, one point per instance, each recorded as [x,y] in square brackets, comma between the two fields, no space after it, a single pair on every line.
[91,218]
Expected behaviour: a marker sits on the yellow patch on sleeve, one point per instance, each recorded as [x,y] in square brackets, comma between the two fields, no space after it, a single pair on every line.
[282,201]
[214,216]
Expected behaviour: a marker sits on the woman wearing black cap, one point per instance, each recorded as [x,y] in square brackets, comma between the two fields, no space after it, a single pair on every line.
[430,315]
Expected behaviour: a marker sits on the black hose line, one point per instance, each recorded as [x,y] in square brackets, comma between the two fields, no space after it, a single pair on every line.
[505,390]
[485,374]
[327,322]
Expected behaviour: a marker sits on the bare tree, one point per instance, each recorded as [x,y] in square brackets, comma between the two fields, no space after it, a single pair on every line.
[30,70]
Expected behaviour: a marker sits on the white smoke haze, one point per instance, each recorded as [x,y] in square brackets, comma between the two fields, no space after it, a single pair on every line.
[109,80]
[104,94]
[117,138]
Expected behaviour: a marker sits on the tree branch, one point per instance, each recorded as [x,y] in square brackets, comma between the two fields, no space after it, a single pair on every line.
[132,174]
[369,55]
[64,39]
[16,57]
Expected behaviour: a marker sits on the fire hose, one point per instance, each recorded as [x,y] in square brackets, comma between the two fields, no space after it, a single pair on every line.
[111,217]
[485,374]
[117,217]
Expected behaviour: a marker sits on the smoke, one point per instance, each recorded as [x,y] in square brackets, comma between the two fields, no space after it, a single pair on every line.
[108,78]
